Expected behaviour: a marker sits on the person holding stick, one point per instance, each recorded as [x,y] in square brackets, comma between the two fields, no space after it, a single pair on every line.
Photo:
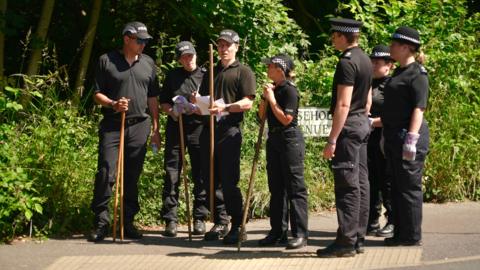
[125,81]
[235,84]
[285,156]
[182,81]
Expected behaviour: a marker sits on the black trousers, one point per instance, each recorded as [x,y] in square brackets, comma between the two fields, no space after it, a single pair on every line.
[228,197]
[173,166]
[351,180]
[379,178]
[136,136]
[285,167]
[407,194]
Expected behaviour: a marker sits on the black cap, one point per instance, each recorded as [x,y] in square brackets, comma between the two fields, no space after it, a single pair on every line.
[229,36]
[381,51]
[345,25]
[136,28]
[408,35]
[282,60]
[184,47]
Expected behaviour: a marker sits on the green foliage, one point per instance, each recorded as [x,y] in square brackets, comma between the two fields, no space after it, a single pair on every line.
[450,41]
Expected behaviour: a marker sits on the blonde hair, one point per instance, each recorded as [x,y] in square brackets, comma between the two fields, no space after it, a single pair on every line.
[420,57]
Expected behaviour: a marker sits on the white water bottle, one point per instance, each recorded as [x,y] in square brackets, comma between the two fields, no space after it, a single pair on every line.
[154,148]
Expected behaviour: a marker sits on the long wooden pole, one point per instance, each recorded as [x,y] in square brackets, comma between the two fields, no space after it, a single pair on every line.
[184,175]
[212,136]
[252,175]
[119,182]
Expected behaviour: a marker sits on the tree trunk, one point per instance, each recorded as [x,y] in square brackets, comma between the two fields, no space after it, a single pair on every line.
[3,9]
[39,38]
[87,50]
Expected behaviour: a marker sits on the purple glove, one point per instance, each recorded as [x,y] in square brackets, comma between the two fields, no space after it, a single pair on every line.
[181,105]
[410,146]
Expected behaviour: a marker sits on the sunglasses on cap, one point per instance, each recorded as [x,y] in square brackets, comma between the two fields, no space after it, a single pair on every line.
[140,41]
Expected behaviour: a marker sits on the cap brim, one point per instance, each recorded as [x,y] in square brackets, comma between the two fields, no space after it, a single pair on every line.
[186,52]
[227,39]
[144,35]
[267,61]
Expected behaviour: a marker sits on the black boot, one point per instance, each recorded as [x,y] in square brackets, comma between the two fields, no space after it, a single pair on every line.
[171,229]
[297,242]
[386,231]
[273,238]
[198,227]
[132,232]
[233,236]
[216,232]
[333,250]
[99,234]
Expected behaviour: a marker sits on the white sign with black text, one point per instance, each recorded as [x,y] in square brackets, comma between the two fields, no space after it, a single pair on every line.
[314,122]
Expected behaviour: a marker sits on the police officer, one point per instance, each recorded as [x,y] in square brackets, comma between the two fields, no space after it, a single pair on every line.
[125,81]
[183,81]
[347,142]
[406,136]
[382,63]
[285,155]
[235,83]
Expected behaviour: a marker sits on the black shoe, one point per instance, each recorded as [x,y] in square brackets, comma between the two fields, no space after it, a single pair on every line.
[234,236]
[333,250]
[386,231]
[98,234]
[373,228]
[170,229]
[132,232]
[216,232]
[360,246]
[198,227]
[393,241]
[272,239]
[297,242]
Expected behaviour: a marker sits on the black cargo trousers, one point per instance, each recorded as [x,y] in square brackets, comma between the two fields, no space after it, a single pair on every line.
[379,178]
[286,183]
[227,146]
[350,171]
[137,131]
[407,194]
[173,167]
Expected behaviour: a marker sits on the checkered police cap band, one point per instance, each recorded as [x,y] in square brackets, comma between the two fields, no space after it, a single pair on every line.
[280,62]
[345,29]
[381,54]
[400,36]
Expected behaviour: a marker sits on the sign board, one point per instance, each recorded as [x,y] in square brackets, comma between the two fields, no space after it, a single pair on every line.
[314,122]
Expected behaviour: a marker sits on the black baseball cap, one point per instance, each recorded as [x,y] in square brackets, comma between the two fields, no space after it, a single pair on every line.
[138,29]
[282,60]
[345,25]
[407,35]
[184,47]
[381,51]
[229,36]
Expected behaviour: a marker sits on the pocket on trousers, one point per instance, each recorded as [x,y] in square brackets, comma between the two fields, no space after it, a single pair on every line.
[343,174]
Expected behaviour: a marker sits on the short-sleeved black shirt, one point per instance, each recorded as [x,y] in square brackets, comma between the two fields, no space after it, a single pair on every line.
[287,98]
[182,82]
[353,69]
[378,88]
[115,78]
[407,90]
[232,84]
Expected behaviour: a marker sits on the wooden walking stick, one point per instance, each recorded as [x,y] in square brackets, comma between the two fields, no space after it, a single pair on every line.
[212,136]
[119,182]
[184,175]
[258,145]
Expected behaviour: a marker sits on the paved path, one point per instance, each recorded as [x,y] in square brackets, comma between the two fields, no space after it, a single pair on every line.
[451,241]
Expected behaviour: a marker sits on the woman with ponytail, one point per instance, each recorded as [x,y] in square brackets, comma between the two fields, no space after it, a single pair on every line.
[406,136]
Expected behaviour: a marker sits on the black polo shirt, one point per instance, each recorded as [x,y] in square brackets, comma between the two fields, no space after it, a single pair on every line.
[115,78]
[182,82]
[287,98]
[353,69]
[378,88]
[232,84]
[407,90]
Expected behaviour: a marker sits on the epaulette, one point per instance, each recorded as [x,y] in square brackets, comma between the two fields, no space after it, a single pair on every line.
[347,55]
[203,69]
[423,70]
[291,83]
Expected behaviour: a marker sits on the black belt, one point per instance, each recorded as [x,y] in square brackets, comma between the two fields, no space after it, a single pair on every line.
[278,129]
[133,121]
